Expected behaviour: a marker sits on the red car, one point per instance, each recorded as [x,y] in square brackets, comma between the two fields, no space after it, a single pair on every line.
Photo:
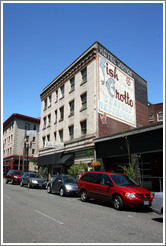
[117,188]
[13,176]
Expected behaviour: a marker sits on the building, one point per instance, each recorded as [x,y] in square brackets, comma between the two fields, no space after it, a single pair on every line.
[20,142]
[145,145]
[155,113]
[96,96]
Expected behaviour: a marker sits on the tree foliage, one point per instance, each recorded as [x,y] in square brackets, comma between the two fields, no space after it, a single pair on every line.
[77,169]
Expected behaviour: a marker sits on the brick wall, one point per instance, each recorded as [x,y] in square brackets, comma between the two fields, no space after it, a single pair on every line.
[113,126]
[154,109]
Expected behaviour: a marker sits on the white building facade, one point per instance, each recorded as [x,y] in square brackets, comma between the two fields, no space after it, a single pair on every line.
[95,96]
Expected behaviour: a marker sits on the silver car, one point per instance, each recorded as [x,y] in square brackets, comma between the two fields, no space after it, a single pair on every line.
[33,180]
[157,203]
[63,185]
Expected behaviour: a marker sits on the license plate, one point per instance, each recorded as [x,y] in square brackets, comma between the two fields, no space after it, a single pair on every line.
[146,202]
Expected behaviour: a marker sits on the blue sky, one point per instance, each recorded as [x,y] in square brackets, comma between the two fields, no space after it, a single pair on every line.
[41,39]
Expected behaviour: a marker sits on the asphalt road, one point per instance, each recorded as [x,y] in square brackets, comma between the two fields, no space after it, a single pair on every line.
[33,216]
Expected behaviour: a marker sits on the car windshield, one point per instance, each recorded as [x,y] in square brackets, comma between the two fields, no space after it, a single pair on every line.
[123,180]
[17,173]
[35,175]
[69,179]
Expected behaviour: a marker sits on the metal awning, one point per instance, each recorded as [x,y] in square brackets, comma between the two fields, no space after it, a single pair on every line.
[66,159]
[49,159]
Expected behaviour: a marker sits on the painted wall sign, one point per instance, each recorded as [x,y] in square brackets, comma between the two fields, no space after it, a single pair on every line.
[53,145]
[116,93]
[104,52]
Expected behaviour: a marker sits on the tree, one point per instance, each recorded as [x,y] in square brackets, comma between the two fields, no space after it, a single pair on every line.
[130,168]
[78,169]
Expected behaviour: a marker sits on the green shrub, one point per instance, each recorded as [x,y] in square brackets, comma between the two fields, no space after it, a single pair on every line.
[129,170]
[77,169]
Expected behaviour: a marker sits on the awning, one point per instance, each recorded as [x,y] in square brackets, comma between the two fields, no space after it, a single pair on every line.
[49,159]
[66,159]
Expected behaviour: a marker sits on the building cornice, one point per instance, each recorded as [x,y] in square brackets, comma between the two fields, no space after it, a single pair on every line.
[69,73]
[22,117]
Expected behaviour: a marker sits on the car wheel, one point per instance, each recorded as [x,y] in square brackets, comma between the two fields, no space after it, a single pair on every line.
[29,185]
[84,196]
[62,192]
[48,189]
[7,181]
[118,202]
[21,183]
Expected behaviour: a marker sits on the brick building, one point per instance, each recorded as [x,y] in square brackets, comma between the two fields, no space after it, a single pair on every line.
[96,96]
[155,112]
[18,131]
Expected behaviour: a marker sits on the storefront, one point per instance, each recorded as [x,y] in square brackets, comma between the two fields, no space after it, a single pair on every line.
[146,143]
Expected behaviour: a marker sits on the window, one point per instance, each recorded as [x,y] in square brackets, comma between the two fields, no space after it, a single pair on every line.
[71,132]
[34,127]
[44,140]
[44,123]
[92,178]
[45,104]
[33,139]
[84,101]
[55,136]
[27,126]
[49,120]
[105,180]
[55,117]
[72,84]
[56,95]
[83,128]
[33,151]
[61,135]
[71,105]
[160,116]
[49,101]
[84,75]
[48,138]
[61,110]
[62,91]
[150,117]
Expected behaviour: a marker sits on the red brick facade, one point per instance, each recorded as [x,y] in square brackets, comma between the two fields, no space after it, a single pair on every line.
[113,126]
[153,110]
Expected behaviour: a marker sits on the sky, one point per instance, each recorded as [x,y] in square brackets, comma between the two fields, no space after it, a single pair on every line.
[40,40]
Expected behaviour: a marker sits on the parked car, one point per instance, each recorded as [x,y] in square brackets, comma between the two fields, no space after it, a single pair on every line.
[32,179]
[157,203]
[119,189]
[63,185]
[13,176]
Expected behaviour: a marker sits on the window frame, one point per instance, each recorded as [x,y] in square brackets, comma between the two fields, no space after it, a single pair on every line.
[84,75]
[62,91]
[83,129]
[71,105]
[83,101]
[71,132]
[72,84]
[61,111]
